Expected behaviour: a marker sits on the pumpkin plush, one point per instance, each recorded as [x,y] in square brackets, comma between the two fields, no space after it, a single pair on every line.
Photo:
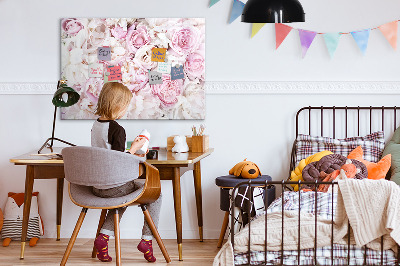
[13,215]
[375,170]
[296,174]
[348,170]
[245,169]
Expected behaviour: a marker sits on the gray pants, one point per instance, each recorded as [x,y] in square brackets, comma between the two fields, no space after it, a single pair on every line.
[154,208]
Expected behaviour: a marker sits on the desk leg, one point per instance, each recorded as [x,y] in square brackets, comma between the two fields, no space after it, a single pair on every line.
[27,206]
[176,182]
[60,190]
[199,204]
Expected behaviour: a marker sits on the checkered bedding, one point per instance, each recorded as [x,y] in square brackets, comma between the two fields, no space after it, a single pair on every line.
[372,145]
[323,207]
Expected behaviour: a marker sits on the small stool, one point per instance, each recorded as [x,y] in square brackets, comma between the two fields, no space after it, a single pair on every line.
[226,183]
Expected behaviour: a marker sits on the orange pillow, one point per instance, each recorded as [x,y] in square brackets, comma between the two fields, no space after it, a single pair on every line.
[375,170]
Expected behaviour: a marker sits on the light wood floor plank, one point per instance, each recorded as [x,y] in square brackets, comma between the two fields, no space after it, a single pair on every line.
[49,252]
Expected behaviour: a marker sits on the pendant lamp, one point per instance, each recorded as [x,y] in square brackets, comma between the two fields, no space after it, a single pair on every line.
[64,97]
[273,11]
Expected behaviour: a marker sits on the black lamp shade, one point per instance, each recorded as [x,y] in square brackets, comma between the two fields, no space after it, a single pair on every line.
[73,96]
[273,11]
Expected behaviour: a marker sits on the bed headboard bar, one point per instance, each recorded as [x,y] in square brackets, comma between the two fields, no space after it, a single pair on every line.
[321,109]
[391,113]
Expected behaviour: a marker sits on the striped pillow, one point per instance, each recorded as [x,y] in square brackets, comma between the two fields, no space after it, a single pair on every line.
[372,145]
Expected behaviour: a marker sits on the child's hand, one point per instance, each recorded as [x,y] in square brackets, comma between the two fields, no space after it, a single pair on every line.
[137,144]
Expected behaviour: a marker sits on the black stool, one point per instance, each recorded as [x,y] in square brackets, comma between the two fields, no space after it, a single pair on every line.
[226,183]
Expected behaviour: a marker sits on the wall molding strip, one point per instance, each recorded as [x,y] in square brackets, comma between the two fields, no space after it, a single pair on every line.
[243,87]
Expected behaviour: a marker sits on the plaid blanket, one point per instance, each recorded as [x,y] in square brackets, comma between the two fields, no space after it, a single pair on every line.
[321,205]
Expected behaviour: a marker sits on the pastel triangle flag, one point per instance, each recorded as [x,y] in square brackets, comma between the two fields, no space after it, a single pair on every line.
[306,39]
[281,31]
[256,28]
[361,37]
[213,2]
[237,8]
[332,41]
[389,30]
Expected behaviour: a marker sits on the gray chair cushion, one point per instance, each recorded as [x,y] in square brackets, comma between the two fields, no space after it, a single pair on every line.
[83,195]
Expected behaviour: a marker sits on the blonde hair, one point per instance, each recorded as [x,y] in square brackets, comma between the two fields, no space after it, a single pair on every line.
[113,98]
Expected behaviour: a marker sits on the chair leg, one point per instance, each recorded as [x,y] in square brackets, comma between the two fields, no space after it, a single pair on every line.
[73,237]
[154,230]
[117,238]
[223,229]
[101,222]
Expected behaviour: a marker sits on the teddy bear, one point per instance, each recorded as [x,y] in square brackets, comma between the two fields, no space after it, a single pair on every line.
[180,144]
[13,215]
[245,169]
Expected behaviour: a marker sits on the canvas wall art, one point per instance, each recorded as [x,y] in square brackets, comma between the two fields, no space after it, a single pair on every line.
[160,60]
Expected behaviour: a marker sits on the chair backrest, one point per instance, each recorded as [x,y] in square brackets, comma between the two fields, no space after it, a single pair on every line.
[91,166]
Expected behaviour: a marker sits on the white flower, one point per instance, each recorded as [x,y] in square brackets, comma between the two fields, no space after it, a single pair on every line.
[191,104]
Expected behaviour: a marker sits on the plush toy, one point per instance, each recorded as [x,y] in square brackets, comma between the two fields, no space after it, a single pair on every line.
[348,170]
[375,170]
[13,215]
[296,174]
[245,169]
[180,144]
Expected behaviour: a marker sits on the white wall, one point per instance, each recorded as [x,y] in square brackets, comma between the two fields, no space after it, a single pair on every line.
[259,127]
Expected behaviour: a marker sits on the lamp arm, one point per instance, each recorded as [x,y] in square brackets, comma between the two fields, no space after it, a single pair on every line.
[54,126]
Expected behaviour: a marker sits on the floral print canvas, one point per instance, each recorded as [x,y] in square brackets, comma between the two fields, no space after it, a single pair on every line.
[131,41]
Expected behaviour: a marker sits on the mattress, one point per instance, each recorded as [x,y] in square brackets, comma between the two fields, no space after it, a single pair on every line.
[324,206]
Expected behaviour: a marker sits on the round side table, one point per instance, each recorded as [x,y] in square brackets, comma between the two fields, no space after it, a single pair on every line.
[226,183]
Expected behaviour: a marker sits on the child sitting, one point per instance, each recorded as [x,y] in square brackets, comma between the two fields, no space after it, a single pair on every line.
[106,133]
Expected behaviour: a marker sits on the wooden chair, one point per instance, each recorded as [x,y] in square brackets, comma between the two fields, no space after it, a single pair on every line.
[85,167]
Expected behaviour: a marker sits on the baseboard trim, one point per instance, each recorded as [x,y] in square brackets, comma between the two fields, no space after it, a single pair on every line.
[250,87]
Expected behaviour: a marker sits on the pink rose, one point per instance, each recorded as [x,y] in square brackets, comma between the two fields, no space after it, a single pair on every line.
[92,89]
[139,79]
[168,91]
[195,65]
[119,32]
[137,38]
[71,26]
[185,40]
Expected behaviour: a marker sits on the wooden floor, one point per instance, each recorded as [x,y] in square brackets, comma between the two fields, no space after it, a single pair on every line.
[50,252]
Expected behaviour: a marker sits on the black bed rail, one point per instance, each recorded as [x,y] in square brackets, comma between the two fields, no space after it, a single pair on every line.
[265,185]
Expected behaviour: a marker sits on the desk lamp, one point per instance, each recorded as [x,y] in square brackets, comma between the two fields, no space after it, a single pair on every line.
[64,97]
[273,11]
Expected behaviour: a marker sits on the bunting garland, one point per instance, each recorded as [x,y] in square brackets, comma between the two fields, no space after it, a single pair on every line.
[237,8]
[213,2]
[332,41]
[281,31]
[361,37]
[256,27]
[306,39]
[389,30]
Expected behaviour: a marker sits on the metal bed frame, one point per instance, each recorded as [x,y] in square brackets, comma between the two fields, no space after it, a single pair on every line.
[283,184]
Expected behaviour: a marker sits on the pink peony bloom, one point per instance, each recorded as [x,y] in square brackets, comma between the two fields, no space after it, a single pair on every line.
[137,38]
[195,65]
[139,79]
[119,32]
[92,89]
[185,40]
[168,91]
[71,26]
